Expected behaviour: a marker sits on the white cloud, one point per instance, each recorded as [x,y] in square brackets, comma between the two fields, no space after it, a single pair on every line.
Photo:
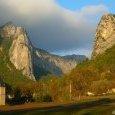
[94,10]
[51,26]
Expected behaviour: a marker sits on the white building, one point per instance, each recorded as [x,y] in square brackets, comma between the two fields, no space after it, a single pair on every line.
[2,93]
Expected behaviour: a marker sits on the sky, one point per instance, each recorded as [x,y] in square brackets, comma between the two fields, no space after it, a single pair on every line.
[62,27]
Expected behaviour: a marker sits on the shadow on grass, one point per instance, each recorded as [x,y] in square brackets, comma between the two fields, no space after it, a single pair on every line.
[62,109]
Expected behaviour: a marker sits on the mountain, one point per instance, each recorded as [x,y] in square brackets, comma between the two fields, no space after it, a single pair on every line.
[98,74]
[30,61]
[20,49]
[103,55]
[8,72]
[105,35]
[54,64]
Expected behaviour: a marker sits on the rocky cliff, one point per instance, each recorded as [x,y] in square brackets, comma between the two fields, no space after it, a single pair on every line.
[33,62]
[20,52]
[105,35]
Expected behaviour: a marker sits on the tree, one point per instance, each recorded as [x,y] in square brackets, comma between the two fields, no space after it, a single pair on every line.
[101,87]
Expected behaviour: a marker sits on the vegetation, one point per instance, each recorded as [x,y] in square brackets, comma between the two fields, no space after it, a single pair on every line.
[96,75]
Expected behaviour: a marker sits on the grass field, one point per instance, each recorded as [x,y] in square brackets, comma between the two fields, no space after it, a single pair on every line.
[98,107]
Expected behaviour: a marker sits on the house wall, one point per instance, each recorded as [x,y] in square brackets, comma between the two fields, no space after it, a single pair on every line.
[2,96]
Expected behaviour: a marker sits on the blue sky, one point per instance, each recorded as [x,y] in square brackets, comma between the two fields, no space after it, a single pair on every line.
[77,4]
[59,26]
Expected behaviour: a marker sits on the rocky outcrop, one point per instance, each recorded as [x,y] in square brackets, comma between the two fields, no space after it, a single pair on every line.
[105,35]
[20,52]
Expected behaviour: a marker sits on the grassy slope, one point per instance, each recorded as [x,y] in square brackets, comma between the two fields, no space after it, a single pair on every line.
[8,73]
[102,66]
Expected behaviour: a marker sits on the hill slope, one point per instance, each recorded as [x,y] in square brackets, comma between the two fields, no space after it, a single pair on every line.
[46,63]
[103,56]
[98,74]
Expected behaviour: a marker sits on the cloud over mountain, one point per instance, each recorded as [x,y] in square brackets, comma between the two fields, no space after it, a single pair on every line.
[51,26]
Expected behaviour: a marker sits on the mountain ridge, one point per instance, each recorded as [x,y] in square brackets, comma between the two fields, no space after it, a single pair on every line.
[55,64]
[30,60]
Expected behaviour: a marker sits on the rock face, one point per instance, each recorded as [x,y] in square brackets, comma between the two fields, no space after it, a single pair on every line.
[105,35]
[31,61]
[20,52]
[48,63]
